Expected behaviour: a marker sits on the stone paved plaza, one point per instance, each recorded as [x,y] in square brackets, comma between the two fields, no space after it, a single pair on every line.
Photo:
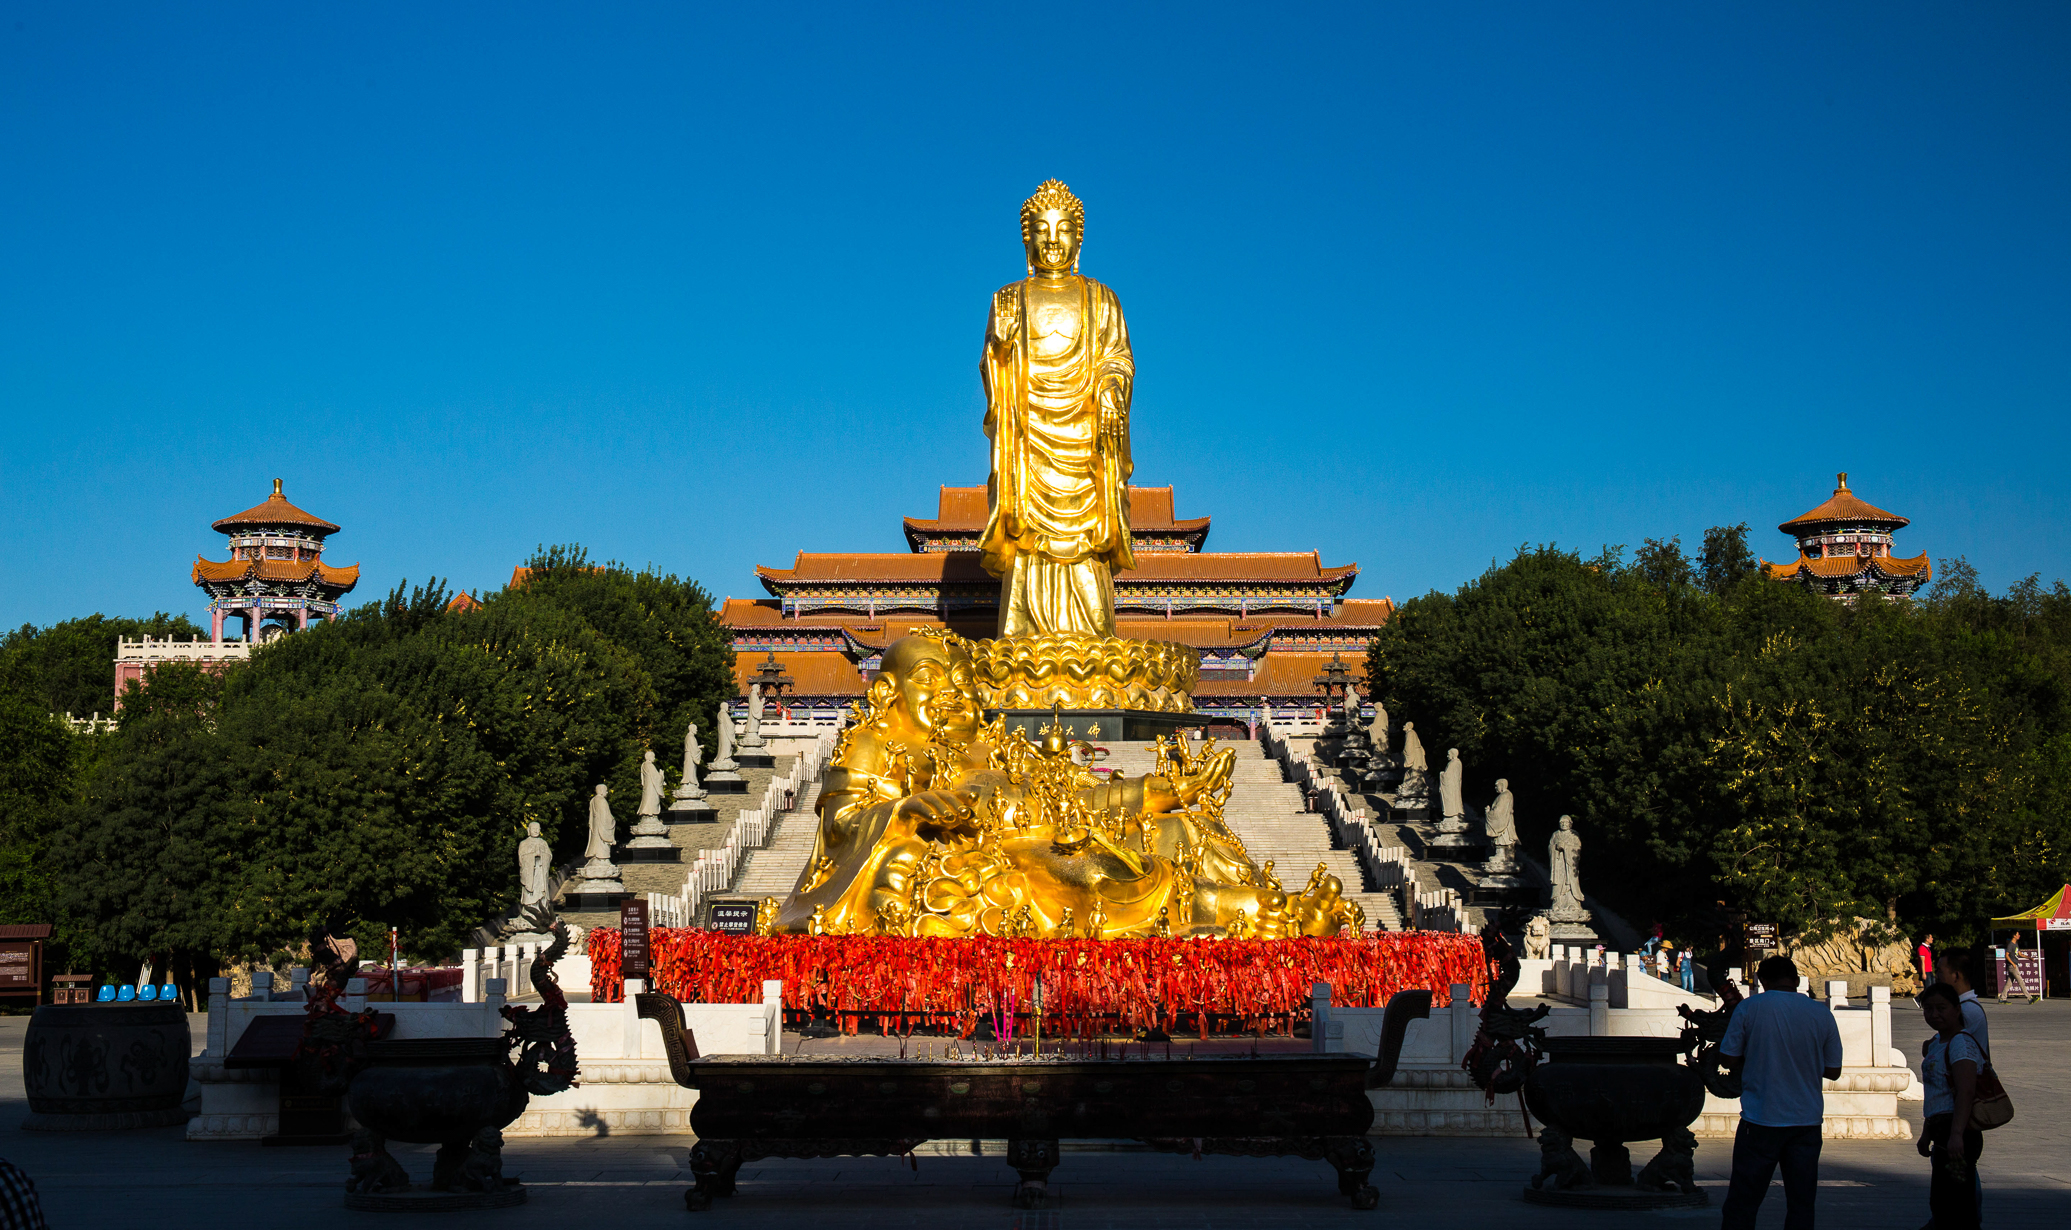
[160,1179]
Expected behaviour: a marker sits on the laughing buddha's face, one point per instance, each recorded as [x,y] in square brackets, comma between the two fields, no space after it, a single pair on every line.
[1053,242]
[933,684]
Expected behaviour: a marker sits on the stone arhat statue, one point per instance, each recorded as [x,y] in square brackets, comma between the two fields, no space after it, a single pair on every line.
[1563,868]
[1413,749]
[535,866]
[691,752]
[1414,792]
[752,737]
[600,874]
[723,723]
[1500,827]
[1500,824]
[1452,803]
[603,826]
[650,786]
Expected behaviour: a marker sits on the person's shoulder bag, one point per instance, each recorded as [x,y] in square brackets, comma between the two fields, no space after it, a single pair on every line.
[1990,1107]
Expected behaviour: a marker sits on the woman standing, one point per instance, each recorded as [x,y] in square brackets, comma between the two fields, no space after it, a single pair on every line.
[1949,1065]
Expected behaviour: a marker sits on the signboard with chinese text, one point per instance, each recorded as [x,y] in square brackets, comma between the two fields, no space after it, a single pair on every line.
[19,974]
[2019,972]
[733,917]
[632,932]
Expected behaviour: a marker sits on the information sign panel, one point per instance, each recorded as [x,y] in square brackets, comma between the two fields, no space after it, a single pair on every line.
[18,972]
[2017,972]
[733,917]
[632,931]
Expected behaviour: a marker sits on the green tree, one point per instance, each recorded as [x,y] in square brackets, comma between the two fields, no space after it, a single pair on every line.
[1755,743]
[378,770]
[1726,560]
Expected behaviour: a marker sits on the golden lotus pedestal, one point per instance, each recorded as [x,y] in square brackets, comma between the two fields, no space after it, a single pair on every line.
[1128,690]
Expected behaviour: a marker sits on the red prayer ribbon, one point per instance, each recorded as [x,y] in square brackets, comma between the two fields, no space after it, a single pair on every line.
[1087,985]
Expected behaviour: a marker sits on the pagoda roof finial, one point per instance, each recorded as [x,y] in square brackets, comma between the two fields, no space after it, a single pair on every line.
[1844,508]
[1840,483]
[278,496]
[275,511]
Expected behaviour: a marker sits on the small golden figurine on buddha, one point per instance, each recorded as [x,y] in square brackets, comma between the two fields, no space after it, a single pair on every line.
[934,823]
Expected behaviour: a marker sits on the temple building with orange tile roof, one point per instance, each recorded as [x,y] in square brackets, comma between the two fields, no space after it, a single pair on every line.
[1845,550]
[275,573]
[276,576]
[1264,622]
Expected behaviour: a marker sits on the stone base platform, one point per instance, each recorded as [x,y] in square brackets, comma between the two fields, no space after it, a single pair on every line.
[1450,848]
[720,783]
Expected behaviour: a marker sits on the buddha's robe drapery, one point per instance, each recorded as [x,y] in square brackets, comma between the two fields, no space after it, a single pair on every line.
[1058,529]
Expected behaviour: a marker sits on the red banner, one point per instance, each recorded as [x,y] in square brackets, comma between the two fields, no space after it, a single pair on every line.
[1085,985]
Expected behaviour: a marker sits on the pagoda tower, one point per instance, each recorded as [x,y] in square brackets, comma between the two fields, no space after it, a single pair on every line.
[1844,550]
[275,571]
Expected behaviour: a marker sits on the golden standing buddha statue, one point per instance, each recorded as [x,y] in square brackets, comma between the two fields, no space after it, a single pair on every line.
[1057,372]
[1058,377]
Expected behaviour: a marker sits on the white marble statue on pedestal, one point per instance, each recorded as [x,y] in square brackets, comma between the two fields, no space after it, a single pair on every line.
[1563,869]
[1500,827]
[600,874]
[753,736]
[1378,728]
[1452,803]
[650,786]
[535,867]
[724,763]
[1414,794]
[650,833]
[689,789]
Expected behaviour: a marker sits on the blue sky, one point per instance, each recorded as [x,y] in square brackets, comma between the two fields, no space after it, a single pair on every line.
[1408,285]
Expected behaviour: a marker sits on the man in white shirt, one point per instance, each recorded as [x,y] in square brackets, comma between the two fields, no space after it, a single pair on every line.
[1781,1045]
[1962,970]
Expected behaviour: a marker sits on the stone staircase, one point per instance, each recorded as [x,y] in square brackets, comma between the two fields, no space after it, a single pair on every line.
[642,879]
[1269,815]
[773,870]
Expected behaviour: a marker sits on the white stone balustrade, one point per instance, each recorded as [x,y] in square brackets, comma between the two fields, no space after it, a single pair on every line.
[713,870]
[166,649]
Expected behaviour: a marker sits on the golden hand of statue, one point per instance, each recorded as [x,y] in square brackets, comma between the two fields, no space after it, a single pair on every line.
[945,811]
[1114,413]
